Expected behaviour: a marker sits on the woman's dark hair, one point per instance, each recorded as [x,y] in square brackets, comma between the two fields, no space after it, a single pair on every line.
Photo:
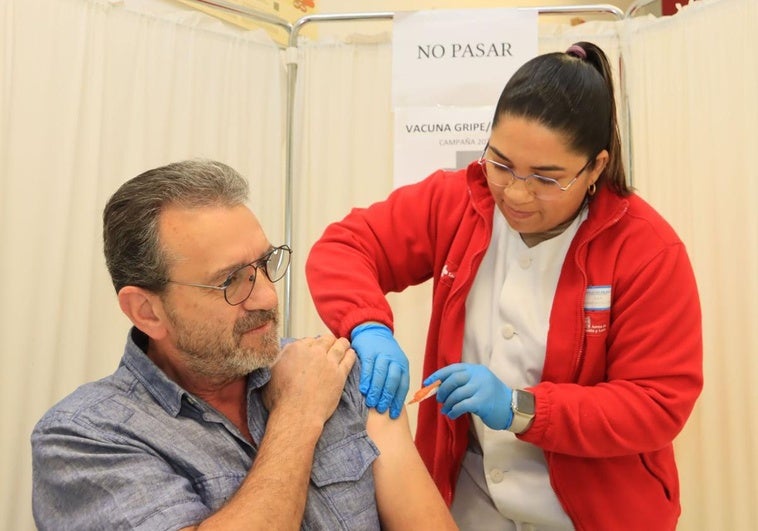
[571,93]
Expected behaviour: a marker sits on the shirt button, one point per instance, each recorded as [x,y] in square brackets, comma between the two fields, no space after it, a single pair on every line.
[496,475]
[507,330]
[525,261]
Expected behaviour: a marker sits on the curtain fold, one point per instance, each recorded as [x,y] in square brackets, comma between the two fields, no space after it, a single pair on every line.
[692,88]
[92,94]
[343,158]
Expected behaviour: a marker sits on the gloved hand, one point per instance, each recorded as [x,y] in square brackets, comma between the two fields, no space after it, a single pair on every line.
[384,367]
[471,388]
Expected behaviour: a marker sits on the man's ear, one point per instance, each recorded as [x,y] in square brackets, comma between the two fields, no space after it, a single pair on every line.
[145,310]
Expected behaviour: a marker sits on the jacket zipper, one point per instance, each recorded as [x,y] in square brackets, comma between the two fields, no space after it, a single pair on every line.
[580,351]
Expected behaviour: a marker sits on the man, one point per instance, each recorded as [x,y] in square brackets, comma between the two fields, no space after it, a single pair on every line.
[206,423]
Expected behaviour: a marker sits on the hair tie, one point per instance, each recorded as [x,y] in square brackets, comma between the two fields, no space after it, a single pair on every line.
[577,51]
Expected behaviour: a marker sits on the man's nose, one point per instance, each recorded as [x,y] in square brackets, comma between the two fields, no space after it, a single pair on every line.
[263,296]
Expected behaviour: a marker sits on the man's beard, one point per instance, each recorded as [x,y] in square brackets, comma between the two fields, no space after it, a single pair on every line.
[223,358]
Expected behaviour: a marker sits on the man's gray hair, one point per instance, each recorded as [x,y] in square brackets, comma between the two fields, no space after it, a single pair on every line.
[131,239]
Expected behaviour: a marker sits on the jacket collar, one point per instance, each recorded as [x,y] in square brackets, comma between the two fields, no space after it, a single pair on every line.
[481,198]
[605,209]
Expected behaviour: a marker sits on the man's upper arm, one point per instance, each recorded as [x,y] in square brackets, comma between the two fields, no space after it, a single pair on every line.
[405,493]
[90,482]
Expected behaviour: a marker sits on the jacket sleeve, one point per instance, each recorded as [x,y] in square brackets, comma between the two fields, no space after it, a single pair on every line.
[647,373]
[386,247]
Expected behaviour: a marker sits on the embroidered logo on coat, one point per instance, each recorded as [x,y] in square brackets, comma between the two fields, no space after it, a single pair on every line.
[446,272]
[597,327]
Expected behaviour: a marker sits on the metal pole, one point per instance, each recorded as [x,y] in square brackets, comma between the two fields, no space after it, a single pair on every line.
[245,12]
[636,6]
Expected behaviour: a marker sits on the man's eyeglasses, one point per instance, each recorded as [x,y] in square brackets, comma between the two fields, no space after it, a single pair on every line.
[239,284]
[503,176]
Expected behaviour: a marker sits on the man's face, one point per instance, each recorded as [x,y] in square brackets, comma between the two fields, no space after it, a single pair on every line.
[204,245]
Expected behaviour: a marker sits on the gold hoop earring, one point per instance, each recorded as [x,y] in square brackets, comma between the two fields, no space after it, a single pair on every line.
[591,189]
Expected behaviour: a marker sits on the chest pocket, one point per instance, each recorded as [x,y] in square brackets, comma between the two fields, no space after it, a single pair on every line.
[342,493]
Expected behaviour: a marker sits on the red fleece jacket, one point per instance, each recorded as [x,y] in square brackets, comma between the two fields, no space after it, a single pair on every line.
[617,385]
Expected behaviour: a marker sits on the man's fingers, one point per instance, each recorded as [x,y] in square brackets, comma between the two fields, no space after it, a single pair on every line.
[325,341]
[347,362]
[338,349]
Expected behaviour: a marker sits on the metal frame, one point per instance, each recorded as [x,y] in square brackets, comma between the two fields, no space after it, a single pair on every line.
[246,12]
[294,29]
[636,6]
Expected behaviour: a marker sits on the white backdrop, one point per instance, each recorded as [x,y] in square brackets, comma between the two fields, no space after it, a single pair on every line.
[693,81]
[90,95]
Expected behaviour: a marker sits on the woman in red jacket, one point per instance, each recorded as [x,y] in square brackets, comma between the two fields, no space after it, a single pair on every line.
[565,326]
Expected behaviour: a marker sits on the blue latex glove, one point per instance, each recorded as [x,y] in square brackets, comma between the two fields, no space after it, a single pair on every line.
[384,367]
[470,388]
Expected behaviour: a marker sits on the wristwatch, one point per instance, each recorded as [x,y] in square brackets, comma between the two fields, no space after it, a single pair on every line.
[522,406]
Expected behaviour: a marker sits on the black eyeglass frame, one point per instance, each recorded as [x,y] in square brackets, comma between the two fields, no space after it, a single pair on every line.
[261,262]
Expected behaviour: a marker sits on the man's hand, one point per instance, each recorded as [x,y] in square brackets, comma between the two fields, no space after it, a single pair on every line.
[471,388]
[309,376]
[384,368]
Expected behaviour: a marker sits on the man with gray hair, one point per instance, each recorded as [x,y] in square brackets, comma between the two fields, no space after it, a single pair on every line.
[208,423]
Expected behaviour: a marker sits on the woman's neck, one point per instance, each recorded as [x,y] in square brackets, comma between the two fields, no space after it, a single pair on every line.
[538,237]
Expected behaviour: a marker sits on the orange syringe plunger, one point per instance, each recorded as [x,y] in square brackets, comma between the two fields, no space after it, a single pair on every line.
[425,392]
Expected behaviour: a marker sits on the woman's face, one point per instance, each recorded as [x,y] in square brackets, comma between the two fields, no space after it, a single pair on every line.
[528,147]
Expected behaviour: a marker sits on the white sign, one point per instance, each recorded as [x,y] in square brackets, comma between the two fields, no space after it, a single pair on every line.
[438,138]
[459,57]
[448,70]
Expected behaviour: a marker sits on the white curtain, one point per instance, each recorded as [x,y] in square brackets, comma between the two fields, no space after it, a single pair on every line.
[92,94]
[343,154]
[693,84]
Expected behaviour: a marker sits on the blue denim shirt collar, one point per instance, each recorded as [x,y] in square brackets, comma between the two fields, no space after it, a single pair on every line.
[166,392]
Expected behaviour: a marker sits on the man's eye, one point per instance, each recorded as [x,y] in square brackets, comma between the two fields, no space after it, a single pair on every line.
[232,279]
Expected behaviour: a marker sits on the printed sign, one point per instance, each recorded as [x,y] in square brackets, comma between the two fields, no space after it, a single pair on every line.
[459,57]
[448,70]
[438,137]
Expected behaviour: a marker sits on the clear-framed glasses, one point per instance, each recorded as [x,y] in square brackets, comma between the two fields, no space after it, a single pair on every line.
[239,284]
[502,176]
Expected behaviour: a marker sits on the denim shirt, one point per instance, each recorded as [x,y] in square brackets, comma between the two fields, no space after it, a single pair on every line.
[136,451]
